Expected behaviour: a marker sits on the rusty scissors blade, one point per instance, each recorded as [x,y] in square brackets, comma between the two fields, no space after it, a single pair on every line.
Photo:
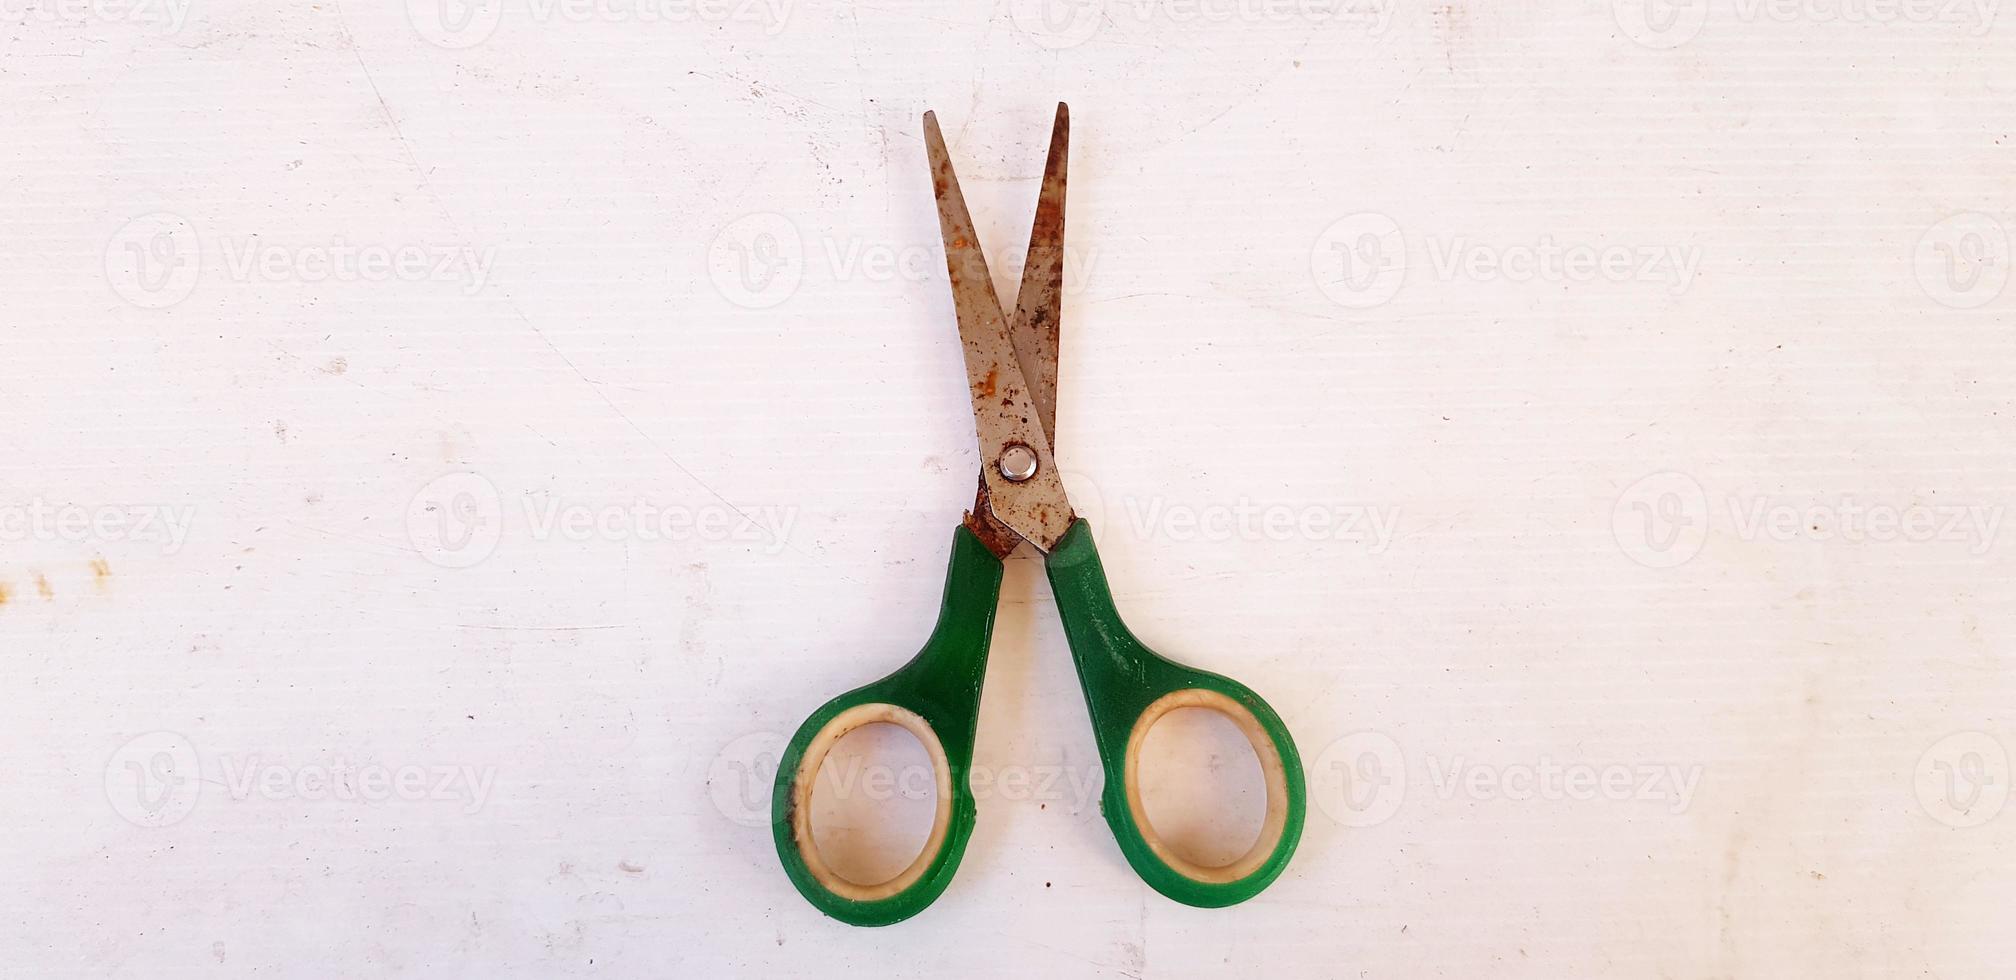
[1011,363]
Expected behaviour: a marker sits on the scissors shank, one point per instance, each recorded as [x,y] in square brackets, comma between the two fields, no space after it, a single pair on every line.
[998,538]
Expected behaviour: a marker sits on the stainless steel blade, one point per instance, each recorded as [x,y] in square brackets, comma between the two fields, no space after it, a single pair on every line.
[1004,409]
[1039,304]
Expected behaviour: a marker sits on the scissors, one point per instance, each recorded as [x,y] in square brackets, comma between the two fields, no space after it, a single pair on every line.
[1011,366]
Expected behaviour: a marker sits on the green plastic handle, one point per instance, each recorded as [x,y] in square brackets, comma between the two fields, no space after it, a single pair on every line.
[1127,688]
[936,696]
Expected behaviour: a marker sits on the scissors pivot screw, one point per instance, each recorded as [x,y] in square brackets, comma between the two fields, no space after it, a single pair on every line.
[1018,463]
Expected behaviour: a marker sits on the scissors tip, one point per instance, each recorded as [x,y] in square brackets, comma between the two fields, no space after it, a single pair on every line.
[934,140]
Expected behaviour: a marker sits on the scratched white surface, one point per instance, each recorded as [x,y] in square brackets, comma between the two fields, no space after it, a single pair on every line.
[447,449]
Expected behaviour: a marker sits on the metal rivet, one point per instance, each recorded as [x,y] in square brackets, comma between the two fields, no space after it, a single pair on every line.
[1018,463]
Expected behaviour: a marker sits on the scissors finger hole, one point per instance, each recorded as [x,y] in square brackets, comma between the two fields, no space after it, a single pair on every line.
[1201,787]
[872,787]
[1205,840]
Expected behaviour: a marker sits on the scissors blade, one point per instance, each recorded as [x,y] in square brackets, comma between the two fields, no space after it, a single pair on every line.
[1039,305]
[1004,411]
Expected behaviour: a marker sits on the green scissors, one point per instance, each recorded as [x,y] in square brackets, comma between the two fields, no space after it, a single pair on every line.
[1011,365]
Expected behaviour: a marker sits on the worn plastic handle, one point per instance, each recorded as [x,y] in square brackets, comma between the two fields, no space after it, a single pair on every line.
[1128,687]
[936,696]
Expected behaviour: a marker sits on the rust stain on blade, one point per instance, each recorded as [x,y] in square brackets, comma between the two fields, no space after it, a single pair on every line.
[997,537]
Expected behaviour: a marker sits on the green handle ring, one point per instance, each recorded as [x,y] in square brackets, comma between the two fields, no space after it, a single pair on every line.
[1127,688]
[936,696]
